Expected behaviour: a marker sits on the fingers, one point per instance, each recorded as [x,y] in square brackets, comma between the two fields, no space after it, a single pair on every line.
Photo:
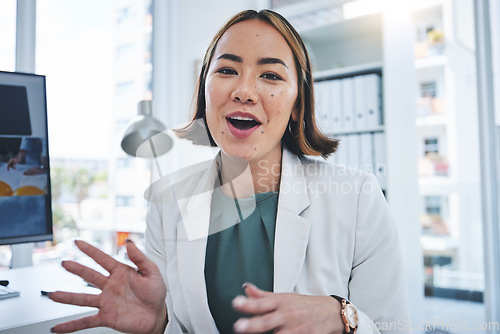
[259,324]
[145,265]
[263,305]
[103,259]
[252,291]
[256,303]
[89,275]
[76,325]
[255,306]
[78,299]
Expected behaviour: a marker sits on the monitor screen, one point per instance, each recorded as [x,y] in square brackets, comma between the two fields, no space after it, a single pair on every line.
[25,198]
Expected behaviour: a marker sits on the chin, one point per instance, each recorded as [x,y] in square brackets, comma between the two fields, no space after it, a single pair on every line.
[240,155]
[239,152]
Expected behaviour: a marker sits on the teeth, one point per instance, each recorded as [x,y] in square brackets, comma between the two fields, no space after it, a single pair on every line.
[239,118]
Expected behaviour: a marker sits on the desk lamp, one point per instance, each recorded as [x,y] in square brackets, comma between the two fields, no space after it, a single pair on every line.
[145,136]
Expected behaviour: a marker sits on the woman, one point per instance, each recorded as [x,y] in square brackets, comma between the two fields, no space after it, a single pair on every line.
[294,231]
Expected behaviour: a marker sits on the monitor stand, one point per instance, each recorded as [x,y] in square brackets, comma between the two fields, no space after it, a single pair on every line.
[22,255]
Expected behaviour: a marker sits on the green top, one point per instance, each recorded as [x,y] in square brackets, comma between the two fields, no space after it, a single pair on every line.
[240,248]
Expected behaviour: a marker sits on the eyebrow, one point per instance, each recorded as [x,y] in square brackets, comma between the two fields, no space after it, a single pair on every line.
[261,61]
[265,61]
[230,56]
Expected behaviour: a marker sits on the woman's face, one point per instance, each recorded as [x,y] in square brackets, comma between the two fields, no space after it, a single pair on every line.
[250,91]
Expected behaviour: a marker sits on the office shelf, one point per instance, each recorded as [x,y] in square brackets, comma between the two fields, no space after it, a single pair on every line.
[347,71]
[357,132]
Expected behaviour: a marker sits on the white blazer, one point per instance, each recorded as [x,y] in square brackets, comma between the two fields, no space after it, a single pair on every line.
[334,236]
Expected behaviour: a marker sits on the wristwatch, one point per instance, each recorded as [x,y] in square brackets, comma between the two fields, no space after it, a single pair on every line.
[349,315]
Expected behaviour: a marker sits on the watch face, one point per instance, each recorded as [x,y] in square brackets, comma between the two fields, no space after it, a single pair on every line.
[351,315]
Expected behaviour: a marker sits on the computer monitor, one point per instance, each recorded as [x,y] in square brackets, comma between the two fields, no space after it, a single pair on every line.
[25,196]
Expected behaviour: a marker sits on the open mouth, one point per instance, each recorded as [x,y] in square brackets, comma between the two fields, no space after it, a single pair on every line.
[242,123]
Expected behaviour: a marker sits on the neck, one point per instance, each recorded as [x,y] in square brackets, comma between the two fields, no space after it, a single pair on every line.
[242,178]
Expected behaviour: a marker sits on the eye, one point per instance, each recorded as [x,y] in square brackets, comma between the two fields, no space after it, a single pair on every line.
[271,76]
[227,71]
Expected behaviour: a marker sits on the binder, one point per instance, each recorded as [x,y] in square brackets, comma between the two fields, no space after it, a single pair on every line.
[359,107]
[342,152]
[380,159]
[373,90]
[366,154]
[334,157]
[354,151]
[321,97]
[329,121]
[347,104]
[337,110]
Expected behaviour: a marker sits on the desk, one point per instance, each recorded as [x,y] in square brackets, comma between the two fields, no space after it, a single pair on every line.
[32,313]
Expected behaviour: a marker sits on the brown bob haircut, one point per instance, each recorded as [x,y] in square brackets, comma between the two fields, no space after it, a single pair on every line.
[302,137]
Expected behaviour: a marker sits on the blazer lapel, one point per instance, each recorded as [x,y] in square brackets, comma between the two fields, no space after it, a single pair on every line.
[292,230]
[192,233]
[291,238]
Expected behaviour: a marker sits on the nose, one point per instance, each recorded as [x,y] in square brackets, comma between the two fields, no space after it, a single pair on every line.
[245,91]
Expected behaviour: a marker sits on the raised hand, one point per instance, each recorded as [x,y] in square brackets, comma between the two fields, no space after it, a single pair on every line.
[131,300]
[12,163]
[286,313]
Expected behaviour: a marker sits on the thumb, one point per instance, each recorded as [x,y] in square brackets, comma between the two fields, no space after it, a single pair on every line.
[145,265]
[252,291]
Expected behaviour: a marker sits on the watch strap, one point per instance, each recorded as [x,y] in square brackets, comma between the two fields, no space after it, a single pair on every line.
[340,299]
[343,303]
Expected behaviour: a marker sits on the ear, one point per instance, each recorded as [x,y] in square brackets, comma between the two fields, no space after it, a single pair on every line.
[295,115]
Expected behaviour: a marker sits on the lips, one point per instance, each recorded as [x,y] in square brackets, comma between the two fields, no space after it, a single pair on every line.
[242,124]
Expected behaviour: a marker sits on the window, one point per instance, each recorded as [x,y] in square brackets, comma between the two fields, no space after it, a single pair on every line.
[431,145]
[125,14]
[91,98]
[124,88]
[7,35]
[124,201]
[433,205]
[124,51]
[7,63]
[433,160]
[125,162]
[121,125]
[449,173]
[434,218]
[428,89]
[148,46]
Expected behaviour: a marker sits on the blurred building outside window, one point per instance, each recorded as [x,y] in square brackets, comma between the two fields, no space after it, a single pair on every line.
[97,71]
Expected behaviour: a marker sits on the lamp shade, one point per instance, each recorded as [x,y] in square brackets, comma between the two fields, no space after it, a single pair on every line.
[145,136]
